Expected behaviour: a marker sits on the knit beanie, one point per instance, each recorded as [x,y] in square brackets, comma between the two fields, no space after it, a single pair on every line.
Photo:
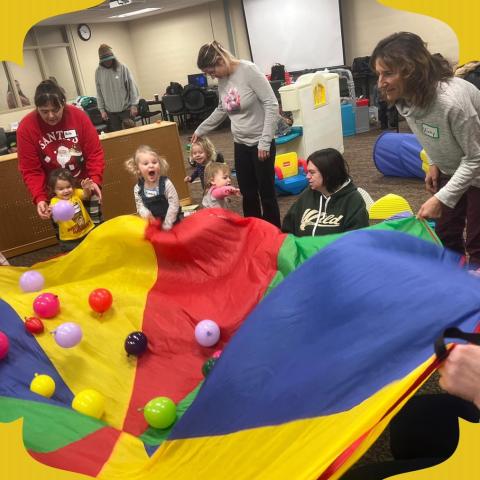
[105,53]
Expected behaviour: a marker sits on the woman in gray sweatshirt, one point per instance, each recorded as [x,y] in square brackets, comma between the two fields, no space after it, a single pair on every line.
[443,112]
[246,97]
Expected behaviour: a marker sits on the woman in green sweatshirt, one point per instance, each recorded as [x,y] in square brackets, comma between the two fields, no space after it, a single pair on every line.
[331,204]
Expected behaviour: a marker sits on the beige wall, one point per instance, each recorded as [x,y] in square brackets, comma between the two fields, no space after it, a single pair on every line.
[163,48]
[166,46]
[157,49]
[365,22]
[117,35]
[13,116]
[239,28]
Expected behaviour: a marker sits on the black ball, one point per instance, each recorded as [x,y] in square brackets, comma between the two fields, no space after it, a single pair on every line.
[136,343]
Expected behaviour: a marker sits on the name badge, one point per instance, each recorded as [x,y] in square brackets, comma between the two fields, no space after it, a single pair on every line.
[70,133]
[429,131]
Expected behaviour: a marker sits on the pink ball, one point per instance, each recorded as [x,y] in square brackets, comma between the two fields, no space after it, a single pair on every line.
[216,354]
[4,345]
[207,333]
[46,305]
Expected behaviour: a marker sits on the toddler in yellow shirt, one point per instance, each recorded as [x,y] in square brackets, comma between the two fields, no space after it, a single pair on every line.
[61,184]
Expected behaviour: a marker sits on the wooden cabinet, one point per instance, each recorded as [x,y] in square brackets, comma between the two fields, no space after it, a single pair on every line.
[22,231]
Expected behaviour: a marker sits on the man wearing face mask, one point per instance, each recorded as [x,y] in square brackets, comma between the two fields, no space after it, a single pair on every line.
[117,93]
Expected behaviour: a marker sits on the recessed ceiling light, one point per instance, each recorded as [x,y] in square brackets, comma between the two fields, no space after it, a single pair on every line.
[119,3]
[136,12]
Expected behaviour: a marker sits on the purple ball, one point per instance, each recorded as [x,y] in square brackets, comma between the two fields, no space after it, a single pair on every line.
[63,211]
[68,334]
[207,333]
[31,281]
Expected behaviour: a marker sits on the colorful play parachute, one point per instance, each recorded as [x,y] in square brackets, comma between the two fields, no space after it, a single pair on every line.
[323,341]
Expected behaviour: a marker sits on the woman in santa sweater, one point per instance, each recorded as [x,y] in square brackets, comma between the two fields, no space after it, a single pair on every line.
[57,135]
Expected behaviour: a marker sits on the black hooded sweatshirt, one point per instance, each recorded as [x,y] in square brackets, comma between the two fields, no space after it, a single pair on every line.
[342,211]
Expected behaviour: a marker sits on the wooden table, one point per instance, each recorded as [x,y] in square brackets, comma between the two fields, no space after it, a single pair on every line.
[22,231]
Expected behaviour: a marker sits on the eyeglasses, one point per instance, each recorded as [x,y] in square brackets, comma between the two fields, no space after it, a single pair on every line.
[210,71]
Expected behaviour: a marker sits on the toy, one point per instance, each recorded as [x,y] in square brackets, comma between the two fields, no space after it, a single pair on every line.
[68,334]
[100,300]
[296,131]
[136,343]
[160,412]
[366,198]
[400,155]
[387,206]
[290,174]
[63,211]
[43,385]
[4,345]
[34,325]
[400,215]
[207,333]
[132,269]
[314,100]
[31,281]
[89,402]
[46,305]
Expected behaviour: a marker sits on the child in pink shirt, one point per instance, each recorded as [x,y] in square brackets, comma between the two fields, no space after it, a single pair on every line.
[218,186]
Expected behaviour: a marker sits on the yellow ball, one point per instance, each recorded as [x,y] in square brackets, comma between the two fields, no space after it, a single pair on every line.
[43,385]
[89,402]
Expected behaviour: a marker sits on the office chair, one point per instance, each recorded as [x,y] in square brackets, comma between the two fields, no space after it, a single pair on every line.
[3,142]
[96,117]
[195,102]
[175,107]
[144,112]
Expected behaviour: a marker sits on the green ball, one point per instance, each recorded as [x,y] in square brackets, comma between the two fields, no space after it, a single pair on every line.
[160,412]
[207,366]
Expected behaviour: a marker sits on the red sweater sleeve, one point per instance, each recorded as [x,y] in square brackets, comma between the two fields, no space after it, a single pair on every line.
[92,150]
[29,163]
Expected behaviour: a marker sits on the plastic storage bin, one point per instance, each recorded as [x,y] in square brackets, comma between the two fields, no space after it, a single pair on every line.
[362,117]
[348,120]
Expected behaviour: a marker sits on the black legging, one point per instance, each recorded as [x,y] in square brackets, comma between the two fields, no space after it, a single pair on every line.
[424,433]
[256,179]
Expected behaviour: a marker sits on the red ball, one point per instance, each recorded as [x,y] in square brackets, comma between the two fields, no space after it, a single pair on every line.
[100,300]
[33,325]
